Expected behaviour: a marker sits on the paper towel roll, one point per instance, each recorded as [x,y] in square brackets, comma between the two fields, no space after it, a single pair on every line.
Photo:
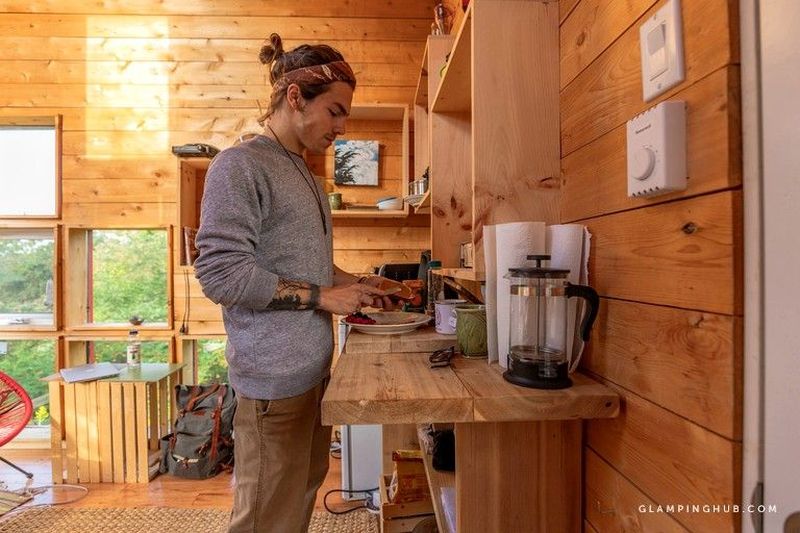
[568,245]
[514,242]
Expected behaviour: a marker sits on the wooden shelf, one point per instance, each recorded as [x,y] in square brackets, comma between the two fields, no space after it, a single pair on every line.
[464,273]
[455,90]
[369,213]
[439,484]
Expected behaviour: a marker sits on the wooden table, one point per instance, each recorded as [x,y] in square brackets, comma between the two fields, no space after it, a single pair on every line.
[108,431]
[518,450]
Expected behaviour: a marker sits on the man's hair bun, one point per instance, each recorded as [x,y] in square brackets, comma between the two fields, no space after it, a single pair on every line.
[271,50]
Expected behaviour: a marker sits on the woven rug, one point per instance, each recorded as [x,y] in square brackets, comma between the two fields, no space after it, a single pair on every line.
[161,519]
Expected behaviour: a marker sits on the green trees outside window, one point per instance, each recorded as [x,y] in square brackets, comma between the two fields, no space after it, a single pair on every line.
[129,269]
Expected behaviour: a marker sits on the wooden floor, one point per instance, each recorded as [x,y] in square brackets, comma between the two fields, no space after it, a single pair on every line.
[163,491]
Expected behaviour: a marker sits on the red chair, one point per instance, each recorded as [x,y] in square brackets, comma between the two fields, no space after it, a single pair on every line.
[16,409]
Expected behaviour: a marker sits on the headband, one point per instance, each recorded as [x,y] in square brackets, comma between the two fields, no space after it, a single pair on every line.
[317,75]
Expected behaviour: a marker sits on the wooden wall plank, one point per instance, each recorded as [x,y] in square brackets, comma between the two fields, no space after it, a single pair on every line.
[376,238]
[565,7]
[610,87]
[595,176]
[200,309]
[118,190]
[282,8]
[685,254]
[118,215]
[164,96]
[366,261]
[233,27]
[178,72]
[205,49]
[688,362]
[671,460]
[118,167]
[612,502]
[591,27]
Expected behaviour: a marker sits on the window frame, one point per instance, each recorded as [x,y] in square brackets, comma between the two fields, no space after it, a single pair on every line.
[76,270]
[56,121]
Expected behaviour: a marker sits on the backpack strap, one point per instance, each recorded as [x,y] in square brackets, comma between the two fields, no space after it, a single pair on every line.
[217,416]
[192,395]
[197,398]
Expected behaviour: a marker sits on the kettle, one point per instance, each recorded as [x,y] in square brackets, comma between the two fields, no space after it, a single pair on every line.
[538,332]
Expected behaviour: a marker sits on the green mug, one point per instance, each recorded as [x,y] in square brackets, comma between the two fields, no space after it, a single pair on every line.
[471,330]
[335,199]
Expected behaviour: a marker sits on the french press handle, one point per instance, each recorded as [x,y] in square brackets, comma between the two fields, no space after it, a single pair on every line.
[592,305]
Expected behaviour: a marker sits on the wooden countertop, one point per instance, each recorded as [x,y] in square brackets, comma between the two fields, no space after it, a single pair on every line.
[398,388]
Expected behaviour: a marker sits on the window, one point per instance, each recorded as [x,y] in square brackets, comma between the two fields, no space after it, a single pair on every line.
[27,273]
[211,363]
[129,276]
[29,163]
[113,275]
[27,361]
[205,360]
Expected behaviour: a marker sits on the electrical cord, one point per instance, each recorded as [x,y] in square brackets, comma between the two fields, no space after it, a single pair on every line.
[185,322]
[368,505]
[36,491]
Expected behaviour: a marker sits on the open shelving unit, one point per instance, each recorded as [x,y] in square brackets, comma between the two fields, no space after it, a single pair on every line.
[439,483]
[493,135]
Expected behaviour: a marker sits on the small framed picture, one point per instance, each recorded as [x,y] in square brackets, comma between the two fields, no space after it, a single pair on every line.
[355,162]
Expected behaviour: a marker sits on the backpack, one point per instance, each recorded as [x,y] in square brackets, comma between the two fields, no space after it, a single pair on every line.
[201,444]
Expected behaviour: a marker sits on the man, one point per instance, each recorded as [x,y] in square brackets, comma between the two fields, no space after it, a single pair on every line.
[266,255]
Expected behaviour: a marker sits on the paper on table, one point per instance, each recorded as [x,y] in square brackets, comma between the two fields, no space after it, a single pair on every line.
[569,249]
[490,267]
[514,242]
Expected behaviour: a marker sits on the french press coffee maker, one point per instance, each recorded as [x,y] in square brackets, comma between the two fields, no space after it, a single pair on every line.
[538,329]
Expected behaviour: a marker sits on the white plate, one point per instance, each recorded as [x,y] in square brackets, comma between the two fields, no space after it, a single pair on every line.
[391,322]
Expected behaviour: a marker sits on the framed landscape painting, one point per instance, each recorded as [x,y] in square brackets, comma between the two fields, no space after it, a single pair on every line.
[355,162]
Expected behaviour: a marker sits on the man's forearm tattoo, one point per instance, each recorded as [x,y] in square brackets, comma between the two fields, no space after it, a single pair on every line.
[294,295]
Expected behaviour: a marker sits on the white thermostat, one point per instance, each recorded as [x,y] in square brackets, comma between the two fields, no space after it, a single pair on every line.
[661,45]
[656,144]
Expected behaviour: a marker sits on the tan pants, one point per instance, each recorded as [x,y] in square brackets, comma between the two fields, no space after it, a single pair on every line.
[281,459]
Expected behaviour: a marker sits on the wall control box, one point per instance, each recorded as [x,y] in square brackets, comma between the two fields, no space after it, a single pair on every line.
[656,150]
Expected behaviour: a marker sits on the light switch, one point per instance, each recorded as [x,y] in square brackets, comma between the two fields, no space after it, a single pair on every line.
[661,47]
[656,143]
[656,48]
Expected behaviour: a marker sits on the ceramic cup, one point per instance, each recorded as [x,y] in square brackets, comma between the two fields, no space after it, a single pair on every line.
[335,200]
[471,330]
[446,315]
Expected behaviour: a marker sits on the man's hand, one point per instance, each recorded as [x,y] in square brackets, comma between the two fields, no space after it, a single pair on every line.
[384,302]
[343,300]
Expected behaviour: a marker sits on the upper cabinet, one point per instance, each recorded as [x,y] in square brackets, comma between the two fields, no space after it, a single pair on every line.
[492,126]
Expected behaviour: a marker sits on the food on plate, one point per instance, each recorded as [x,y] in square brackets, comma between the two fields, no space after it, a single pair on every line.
[396,289]
[359,318]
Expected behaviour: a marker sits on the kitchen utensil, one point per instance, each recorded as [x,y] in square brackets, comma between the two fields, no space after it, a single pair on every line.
[538,324]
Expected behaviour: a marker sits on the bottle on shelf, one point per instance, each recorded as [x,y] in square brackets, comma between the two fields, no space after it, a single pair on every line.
[134,355]
[435,285]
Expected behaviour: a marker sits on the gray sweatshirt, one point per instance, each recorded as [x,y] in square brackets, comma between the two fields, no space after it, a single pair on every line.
[259,221]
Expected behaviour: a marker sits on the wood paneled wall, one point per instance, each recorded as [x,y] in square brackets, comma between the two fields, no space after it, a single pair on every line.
[669,269]
[133,78]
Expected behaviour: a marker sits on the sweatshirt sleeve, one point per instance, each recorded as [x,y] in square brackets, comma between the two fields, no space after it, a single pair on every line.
[232,212]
